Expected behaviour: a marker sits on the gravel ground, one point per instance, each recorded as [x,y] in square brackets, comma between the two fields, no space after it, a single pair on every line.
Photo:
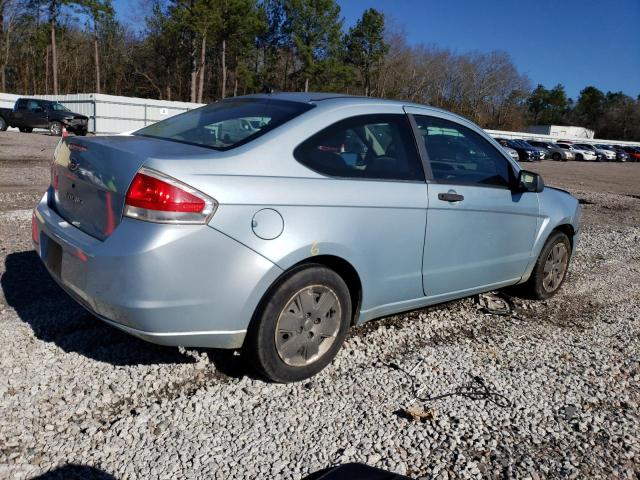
[81,400]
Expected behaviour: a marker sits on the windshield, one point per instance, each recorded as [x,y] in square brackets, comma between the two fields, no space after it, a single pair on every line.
[226,124]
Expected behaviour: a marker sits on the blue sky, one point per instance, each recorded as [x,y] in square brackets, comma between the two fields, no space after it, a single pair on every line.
[573,42]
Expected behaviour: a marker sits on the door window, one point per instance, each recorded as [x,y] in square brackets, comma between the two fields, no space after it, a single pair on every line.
[33,106]
[366,146]
[459,155]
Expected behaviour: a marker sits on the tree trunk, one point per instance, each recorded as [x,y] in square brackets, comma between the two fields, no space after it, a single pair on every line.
[224,68]
[54,50]
[97,58]
[235,83]
[194,70]
[46,71]
[306,84]
[4,43]
[203,57]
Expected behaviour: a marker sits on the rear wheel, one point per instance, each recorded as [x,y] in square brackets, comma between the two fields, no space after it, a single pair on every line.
[556,156]
[579,157]
[55,129]
[3,124]
[301,326]
[551,267]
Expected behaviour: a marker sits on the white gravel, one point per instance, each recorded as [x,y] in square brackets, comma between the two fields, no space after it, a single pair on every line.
[81,400]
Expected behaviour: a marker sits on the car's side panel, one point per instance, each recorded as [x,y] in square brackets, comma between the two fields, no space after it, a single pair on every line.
[376,226]
[483,240]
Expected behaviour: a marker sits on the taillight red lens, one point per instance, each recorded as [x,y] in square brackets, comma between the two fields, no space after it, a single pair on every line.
[34,228]
[153,194]
[156,197]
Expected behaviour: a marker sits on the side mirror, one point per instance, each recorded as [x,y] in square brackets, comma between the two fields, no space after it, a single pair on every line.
[530,182]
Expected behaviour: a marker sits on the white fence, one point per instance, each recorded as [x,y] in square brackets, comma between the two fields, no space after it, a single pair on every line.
[555,138]
[110,114]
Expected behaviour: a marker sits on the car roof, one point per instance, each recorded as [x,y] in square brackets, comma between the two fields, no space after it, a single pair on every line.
[342,99]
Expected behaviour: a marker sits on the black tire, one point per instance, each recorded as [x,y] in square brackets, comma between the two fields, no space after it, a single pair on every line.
[579,157]
[556,156]
[535,287]
[81,133]
[260,344]
[55,128]
[3,124]
[25,129]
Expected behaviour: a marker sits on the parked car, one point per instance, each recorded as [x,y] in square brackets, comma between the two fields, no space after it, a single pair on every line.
[619,154]
[278,242]
[512,153]
[542,151]
[554,151]
[580,154]
[526,152]
[30,113]
[601,155]
[633,152]
[540,146]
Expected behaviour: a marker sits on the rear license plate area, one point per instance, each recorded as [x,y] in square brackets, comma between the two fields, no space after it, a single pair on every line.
[51,254]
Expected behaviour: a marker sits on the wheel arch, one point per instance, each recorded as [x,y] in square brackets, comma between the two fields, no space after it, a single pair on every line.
[348,273]
[565,228]
[338,264]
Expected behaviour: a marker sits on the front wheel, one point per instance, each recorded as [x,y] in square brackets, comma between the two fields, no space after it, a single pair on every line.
[55,129]
[300,328]
[551,267]
[3,124]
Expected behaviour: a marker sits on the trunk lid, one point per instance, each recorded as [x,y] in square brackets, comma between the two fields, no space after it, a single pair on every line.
[94,174]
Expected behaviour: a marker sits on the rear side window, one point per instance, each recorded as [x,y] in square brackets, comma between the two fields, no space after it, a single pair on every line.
[366,146]
[459,155]
[21,104]
[226,124]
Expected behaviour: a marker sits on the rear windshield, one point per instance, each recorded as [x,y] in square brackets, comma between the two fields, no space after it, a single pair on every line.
[226,124]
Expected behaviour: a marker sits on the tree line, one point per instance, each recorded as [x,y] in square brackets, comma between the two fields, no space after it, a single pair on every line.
[204,50]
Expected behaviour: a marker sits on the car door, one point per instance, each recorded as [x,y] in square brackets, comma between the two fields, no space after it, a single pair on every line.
[20,113]
[480,232]
[38,114]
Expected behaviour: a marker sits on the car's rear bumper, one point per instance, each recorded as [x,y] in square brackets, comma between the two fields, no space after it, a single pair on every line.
[184,285]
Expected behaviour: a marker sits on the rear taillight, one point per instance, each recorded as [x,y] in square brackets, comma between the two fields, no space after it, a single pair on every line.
[155,197]
[34,228]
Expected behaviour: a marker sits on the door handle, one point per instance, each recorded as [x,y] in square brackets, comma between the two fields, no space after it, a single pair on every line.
[450,197]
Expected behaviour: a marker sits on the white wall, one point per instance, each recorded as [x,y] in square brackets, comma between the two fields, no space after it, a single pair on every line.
[109,114]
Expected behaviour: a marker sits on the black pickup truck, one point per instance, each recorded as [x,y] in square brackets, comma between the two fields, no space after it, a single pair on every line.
[30,113]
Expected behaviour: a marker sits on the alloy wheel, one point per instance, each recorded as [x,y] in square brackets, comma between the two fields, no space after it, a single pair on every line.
[555,267]
[55,129]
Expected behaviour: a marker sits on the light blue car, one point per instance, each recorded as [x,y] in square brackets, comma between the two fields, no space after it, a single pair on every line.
[328,212]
